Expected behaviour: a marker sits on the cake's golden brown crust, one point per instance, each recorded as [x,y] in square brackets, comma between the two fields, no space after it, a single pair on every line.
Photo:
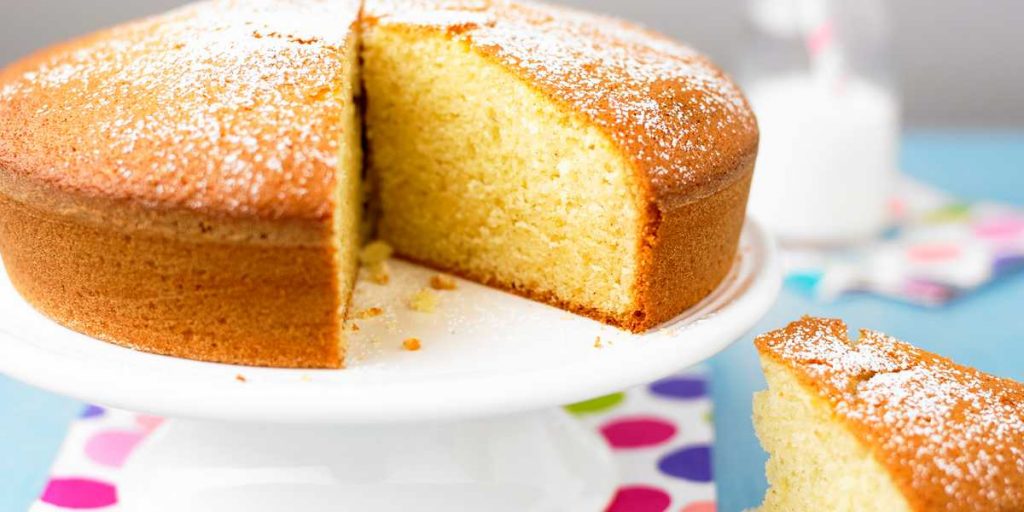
[257,304]
[688,250]
[223,108]
[685,126]
[168,185]
[951,437]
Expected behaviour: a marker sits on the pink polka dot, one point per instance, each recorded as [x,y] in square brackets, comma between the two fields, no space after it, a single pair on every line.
[933,252]
[148,423]
[112,447]
[1000,228]
[640,498]
[79,493]
[701,506]
[637,432]
[897,208]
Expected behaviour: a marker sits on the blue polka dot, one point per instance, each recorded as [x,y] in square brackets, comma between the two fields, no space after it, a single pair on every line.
[92,411]
[804,283]
[680,388]
[691,463]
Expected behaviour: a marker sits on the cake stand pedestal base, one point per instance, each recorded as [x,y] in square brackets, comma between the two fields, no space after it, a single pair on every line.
[540,461]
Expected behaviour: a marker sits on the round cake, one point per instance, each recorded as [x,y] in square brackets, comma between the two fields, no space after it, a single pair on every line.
[195,184]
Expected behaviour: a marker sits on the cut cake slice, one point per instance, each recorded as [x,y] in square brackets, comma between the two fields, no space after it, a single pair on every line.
[878,424]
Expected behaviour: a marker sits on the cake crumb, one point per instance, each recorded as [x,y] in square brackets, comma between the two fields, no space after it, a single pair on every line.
[424,301]
[375,252]
[597,342]
[411,344]
[379,273]
[354,327]
[306,378]
[374,256]
[241,378]
[370,313]
[442,282]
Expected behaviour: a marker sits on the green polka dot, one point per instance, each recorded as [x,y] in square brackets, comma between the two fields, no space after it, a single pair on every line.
[951,213]
[596,405]
[709,417]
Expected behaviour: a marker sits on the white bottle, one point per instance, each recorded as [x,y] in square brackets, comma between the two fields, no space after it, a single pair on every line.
[829,127]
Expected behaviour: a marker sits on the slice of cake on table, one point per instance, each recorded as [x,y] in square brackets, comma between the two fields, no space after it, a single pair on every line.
[877,424]
[190,184]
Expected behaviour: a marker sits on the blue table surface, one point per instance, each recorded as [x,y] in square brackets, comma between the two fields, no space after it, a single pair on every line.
[985,329]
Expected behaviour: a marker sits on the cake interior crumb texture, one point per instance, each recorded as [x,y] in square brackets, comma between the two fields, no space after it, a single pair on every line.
[479,173]
[815,463]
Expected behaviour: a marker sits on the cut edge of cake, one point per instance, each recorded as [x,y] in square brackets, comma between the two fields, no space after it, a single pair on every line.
[482,176]
[688,193]
[815,463]
[349,202]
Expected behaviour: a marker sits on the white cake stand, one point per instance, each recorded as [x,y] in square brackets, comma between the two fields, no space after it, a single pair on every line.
[470,422]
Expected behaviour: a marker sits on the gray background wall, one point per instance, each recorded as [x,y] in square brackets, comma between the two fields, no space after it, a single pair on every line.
[958,62]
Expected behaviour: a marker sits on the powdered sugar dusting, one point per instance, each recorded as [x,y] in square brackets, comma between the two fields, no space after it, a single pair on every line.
[226,106]
[679,117]
[954,434]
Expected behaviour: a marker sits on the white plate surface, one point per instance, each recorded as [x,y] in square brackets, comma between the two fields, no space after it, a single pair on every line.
[484,352]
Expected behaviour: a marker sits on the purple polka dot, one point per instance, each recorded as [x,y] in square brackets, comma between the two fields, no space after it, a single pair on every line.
[92,411]
[640,498]
[681,388]
[637,432]
[691,463]
[79,493]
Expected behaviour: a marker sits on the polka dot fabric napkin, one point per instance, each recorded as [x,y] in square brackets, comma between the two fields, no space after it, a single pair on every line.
[940,248]
[660,434]
[84,476]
